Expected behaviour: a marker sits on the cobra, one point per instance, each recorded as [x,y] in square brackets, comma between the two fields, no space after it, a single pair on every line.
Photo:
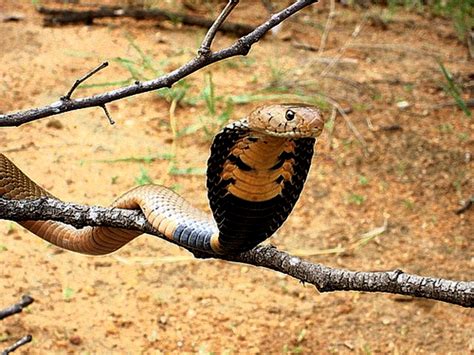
[255,174]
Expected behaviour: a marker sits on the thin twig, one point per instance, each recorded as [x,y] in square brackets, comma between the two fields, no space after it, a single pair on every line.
[25,301]
[468,103]
[84,78]
[327,27]
[205,47]
[111,121]
[341,51]
[325,278]
[155,260]
[267,4]
[424,51]
[25,340]
[331,121]
[468,204]
[349,123]
[240,47]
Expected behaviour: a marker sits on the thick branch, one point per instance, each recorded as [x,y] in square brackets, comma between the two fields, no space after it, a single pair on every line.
[240,47]
[324,278]
[58,17]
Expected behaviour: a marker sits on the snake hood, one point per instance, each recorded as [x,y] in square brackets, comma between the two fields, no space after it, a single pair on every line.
[287,120]
[256,172]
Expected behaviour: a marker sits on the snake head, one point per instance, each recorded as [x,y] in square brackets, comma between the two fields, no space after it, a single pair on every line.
[287,120]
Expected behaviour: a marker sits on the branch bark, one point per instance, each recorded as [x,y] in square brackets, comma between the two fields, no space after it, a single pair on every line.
[324,278]
[241,47]
[60,17]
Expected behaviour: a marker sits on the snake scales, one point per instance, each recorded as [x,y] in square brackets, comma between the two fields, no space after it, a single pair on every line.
[256,171]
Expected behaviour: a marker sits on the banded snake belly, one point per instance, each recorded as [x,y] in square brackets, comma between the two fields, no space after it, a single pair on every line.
[256,172]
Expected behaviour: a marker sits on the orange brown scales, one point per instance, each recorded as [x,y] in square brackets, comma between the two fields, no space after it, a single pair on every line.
[261,181]
[256,171]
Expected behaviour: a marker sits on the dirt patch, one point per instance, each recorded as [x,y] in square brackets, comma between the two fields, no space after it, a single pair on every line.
[152,296]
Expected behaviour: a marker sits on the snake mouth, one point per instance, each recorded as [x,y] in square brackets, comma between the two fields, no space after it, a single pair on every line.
[300,133]
[288,121]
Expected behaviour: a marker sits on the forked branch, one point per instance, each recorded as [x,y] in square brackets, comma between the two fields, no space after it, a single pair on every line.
[240,47]
[324,278]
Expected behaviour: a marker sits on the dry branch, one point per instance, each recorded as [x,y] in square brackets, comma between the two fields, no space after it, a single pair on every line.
[20,342]
[324,278]
[241,47]
[16,308]
[9,311]
[59,17]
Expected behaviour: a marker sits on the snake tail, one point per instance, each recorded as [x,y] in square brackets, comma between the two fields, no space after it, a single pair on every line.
[170,214]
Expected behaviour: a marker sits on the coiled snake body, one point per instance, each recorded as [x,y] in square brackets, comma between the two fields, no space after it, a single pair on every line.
[256,171]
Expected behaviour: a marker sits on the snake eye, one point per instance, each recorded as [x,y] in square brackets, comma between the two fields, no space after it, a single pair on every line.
[290,115]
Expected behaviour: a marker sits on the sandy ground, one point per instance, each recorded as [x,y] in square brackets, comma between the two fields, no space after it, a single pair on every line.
[151,296]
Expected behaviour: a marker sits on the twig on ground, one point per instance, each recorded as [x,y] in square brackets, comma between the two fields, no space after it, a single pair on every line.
[267,4]
[349,123]
[25,301]
[327,27]
[331,121]
[25,340]
[58,17]
[397,47]
[392,127]
[468,103]
[304,46]
[161,260]
[341,50]
[205,47]
[325,279]
[468,204]
[240,47]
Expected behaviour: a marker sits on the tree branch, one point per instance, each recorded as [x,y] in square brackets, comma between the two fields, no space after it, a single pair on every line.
[240,47]
[60,17]
[205,47]
[324,278]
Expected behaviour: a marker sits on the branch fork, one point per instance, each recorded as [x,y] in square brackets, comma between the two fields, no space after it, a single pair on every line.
[241,47]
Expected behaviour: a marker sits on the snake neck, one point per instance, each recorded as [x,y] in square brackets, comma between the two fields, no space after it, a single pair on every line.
[258,166]
[254,181]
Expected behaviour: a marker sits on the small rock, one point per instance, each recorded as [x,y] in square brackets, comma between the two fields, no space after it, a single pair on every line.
[75,340]
[191,313]
[12,17]
[402,105]
[56,124]
[90,291]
